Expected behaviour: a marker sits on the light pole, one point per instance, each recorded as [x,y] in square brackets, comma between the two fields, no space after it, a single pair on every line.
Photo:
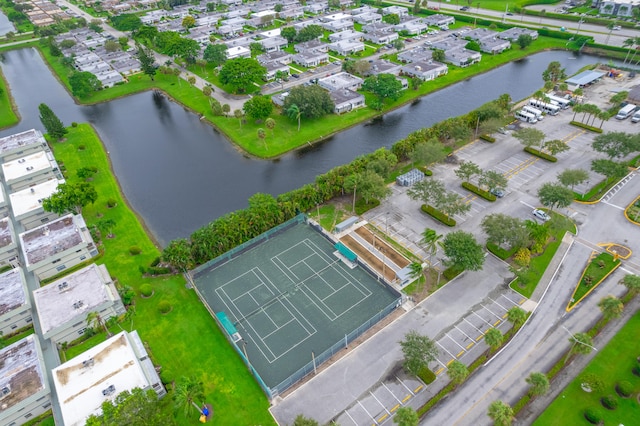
[579,25]
[573,337]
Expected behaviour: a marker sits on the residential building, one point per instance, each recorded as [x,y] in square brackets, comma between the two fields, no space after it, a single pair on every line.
[26,203]
[367,18]
[382,66]
[439,20]
[462,57]
[425,70]
[310,58]
[512,34]
[49,249]
[238,52]
[448,44]
[347,47]
[317,45]
[414,55]
[345,35]
[273,44]
[21,144]
[278,56]
[4,203]
[30,170]
[494,45]
[8,245]
[273,68]
[337,26]
[339,81]
[377,26]
[101,373]
[340,16]
[621,8]
[398,10]
[380,37]
[412,26]
[24,388]
[64,304]
[363,9]
[346,100]
[15,309]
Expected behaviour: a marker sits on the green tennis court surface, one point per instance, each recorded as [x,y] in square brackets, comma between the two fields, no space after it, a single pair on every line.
[291,299]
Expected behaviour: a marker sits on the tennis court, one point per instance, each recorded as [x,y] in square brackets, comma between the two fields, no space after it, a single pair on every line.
[290,299]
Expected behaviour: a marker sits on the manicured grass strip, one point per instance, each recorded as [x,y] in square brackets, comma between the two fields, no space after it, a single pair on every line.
[596,271]
[612,364]
[186,341]
[8,116]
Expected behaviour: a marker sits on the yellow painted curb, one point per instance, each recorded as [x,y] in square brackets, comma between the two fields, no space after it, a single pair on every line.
[628,207]
[569,308]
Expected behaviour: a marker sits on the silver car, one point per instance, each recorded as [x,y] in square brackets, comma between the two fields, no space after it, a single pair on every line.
[543,216]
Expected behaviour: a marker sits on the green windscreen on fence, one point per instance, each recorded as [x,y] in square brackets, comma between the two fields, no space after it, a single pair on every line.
[344,250]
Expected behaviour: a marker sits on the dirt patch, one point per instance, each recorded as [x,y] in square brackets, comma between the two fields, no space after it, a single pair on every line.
[621,251]
[379,244]
[369,258]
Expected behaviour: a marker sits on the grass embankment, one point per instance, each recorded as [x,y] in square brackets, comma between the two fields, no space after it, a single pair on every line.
[613,364]
[8,116]
[184,342]
[285,136]
[539,264]
[599,268]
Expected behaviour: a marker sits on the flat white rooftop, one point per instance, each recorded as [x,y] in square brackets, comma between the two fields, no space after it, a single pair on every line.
[30,199]
[99,374]
[46,240]
[22,139]
[72,296]
[7,237]
[20,372]
[12,291]
[20,167]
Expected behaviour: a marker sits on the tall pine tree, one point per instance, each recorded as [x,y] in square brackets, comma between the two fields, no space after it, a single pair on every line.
[51,122]
[147,61]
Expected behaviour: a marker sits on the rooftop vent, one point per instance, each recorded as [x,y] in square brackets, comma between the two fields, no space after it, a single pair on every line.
[33,190]
[63,286]
[79,304]
[5,391]
[109,391]
[22,160]
[88,363]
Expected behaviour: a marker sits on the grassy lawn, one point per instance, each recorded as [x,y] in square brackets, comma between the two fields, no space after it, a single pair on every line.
[612,364]
[8,116]
[184,342]
[538,265]
[633,211]
[596,271]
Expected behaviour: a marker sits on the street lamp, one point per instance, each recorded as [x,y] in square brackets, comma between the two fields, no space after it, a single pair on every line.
[578,341]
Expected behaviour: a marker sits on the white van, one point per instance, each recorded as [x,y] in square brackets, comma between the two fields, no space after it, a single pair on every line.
[626,111]
[636,117]
[534,111]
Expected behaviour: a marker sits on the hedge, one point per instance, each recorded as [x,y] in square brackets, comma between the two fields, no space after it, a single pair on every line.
[426,375]
[438,215]
[487,138]
[586,126]
[479,191]
[426,171]
[540,154]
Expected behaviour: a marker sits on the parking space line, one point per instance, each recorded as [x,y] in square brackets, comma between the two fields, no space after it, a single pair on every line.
[496,302]
[440,370]
[406,398]
[382,419]
[460,353]
[381,404]
[392,394]
[450,361]
[416,390]
[496,323]
[474,312]
[454,341]
[470,344]
[395,407]
[365,410]
[457,328]
[490,311]
[479,337]
[405,386]
[505,296]
[438,343]
[467,321]
[349,415]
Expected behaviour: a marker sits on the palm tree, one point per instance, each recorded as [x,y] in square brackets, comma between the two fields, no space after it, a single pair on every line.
[539,384]
[576,109]
[457,372]
[636,42]
[628,43]
[501,413]
[186,393]
[294,113]
[611,307]
[238,114]
[632,282]
[94,320]
[432,240]
[610,28]
[262,135]
[516,316]
[415,269]
[493,337]
[270,123]
[581,344]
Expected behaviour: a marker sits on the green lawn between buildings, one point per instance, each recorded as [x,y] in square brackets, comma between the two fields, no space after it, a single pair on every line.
[7,115]
[186,341]
[613,363]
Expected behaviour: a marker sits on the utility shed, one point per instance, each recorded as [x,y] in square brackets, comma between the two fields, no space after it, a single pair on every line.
[345,224]
[409,178]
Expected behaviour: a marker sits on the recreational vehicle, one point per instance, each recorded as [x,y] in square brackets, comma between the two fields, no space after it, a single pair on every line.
[626,111]
[544,107]
[562,102]
[527,117]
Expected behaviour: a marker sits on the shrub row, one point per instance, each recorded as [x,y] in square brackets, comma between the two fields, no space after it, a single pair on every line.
[541,154]
[452,272]
[586,126]
[500,252]
[479,191]
[426,171]
[426,375]
[438,215]
[487,138]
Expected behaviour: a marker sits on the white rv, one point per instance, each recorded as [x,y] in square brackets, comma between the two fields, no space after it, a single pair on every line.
[527,117]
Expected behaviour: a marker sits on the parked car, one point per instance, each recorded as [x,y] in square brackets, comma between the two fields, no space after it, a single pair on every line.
[464,8]
[497,192]
[543,216]
[294,75]
[617,27]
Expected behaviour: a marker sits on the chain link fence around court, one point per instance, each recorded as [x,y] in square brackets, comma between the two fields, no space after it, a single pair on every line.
[239,344]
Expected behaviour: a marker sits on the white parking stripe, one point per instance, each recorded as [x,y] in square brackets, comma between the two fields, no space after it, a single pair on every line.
[454,341]
[445,349]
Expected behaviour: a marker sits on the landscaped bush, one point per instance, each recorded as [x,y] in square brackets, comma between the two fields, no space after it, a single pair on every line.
[522,257]
[609,402]
[164,307]
[74,124]
[153,270]
[135,250]
[146,290]
[426,375]
[592,416]
[540,154]
[438,215]
[155,261]
[500,252]
[487,138]
[624,389]
[127,294]
[636,370]
[111,202]
[479,191]
[426,171]
[81,147]
[586,126]
[452,272]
